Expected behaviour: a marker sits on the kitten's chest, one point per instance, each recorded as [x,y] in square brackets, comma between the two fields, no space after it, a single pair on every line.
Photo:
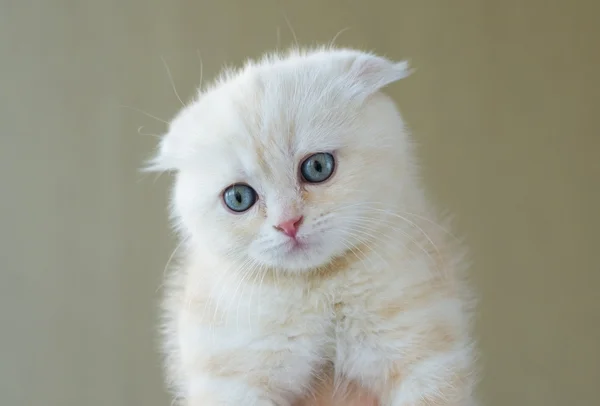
[290,312]
[338,317]
[365,311]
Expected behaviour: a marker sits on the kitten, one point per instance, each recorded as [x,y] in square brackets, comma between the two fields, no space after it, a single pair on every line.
[308,245]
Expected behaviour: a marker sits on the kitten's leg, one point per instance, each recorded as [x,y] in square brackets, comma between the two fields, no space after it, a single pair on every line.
[440,380]
[420,365]
[231,365]
[443,379]
[253,375]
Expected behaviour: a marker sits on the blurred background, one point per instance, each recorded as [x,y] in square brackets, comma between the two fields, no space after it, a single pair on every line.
[504,104]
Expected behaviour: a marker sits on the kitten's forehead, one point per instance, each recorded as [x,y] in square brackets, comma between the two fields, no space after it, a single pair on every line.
[290,110]
[272,116]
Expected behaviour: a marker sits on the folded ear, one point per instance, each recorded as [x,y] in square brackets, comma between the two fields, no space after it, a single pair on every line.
[370,73]
[175,146]
[163,158]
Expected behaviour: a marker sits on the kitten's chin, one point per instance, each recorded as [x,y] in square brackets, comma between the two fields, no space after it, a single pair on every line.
[296,258]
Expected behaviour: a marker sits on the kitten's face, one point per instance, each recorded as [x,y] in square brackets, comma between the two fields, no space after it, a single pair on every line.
[282,164]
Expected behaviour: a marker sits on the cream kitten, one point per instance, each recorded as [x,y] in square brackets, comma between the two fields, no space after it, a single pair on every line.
[308,245]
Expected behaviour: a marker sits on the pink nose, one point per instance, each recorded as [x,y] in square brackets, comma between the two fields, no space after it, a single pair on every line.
[290,227]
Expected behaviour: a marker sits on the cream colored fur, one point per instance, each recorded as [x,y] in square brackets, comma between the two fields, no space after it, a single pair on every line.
[375,298]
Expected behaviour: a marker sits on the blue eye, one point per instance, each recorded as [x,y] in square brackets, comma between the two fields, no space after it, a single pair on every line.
[317,168]
[239,198]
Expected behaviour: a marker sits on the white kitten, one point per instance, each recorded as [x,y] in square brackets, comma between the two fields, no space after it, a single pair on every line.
[308,244]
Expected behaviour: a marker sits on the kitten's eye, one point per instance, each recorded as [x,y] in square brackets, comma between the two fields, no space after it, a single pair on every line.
[317,168]
[239,198]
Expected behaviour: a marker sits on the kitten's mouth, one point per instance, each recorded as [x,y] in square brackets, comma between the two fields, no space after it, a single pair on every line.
[296,248]
[295,245]
[298,254]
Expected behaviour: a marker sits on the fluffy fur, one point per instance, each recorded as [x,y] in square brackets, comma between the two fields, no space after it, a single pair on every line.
[375,295]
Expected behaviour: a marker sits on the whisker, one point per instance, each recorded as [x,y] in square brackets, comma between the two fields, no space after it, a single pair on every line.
[347,244]
[380,205]
[139,131]
[144,113]
[224,283]
[412,223]
[335,37]
[245,279]
[435,247]
[359,232]
[219,283]
[289,24]
[201,69]
[171,80]
[258,313]
[173,253]
[368,221]
[412,239]
[433,223]
[367,242]
[251,298]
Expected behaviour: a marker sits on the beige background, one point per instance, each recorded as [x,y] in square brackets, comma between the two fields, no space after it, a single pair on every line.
[505,106]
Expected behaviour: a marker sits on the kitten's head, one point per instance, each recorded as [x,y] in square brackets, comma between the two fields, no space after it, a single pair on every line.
[283,162]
